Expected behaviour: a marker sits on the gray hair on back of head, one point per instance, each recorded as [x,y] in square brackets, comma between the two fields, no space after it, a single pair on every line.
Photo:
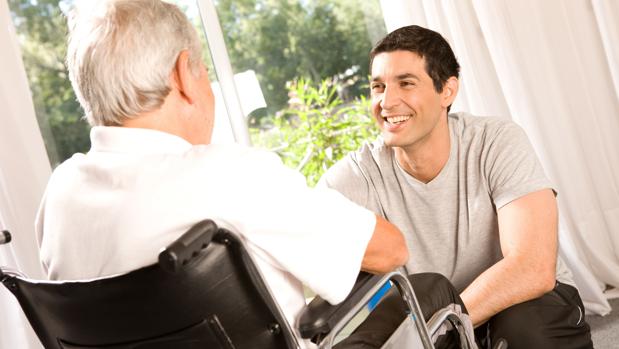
[121,53]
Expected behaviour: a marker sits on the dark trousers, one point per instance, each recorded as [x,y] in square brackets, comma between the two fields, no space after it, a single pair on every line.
[433,292]
[554,320]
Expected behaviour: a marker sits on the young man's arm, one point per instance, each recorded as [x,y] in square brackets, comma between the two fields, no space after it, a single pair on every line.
[528,234]
[387,247]
[386,250]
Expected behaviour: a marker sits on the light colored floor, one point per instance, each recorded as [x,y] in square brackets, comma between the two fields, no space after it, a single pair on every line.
[605,329]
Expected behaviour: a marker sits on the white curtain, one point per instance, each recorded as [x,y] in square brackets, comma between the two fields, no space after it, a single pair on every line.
[24,170]
[553,67]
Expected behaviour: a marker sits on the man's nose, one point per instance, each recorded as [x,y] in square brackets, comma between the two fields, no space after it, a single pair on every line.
[390,98]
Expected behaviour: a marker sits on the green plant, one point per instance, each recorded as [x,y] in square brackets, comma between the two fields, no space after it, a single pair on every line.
[317,129]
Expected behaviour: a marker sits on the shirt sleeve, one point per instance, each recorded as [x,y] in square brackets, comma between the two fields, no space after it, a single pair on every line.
[317,235]
[511,165]
[347,178]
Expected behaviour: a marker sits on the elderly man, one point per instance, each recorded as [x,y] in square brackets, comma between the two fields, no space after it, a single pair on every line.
[469,194]
[152,173]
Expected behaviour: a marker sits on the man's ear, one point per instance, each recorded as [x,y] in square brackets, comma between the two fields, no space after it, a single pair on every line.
[184,79]
[450,91]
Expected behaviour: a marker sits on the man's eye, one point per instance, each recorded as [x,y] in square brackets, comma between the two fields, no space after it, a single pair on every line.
[377,87]
[407,83]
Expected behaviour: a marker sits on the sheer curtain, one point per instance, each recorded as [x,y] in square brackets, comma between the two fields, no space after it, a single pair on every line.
[553,67]
[24,170]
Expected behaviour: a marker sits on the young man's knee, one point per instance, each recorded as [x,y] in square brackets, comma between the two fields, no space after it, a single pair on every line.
[434,283]
[429,281]
[521,326]
[552,321]
[434,292]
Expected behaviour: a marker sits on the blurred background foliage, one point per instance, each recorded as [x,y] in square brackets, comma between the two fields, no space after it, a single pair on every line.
[41,28]
[317,129]
[310,58]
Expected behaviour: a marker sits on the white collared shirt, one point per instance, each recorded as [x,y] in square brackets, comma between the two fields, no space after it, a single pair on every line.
[111,210]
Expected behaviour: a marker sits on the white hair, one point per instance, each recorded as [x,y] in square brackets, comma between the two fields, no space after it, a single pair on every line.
[121,54]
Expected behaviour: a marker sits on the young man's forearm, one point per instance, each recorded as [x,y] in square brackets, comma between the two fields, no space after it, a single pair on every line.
[386,250]
[508,282]
[528,233]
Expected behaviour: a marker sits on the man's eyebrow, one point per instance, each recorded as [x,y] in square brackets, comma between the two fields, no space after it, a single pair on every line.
[402,76]
[407,76]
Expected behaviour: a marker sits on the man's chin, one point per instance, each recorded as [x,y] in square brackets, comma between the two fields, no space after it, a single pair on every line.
[389,140]
[394,142]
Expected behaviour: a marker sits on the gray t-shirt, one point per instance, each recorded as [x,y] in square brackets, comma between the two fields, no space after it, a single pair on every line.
[450,223]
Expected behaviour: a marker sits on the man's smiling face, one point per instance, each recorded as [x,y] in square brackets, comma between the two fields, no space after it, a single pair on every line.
[405,103]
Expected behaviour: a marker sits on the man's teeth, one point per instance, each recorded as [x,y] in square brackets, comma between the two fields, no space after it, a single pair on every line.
[397,119]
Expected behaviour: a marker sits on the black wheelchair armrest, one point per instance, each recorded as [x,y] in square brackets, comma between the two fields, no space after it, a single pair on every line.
[320,317]
[173,257]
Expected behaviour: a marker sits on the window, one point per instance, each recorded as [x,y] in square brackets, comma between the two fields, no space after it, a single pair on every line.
[300,71]
[310,59]
[42,31]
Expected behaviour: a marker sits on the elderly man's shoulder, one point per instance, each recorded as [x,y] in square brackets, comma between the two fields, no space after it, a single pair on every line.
[236,153]
[69,166]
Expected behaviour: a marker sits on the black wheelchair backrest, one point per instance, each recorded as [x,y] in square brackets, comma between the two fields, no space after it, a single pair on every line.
[216,300]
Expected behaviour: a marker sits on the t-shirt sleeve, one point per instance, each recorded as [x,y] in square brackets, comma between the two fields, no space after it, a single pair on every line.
[511,165]
[317,235]
[347,178]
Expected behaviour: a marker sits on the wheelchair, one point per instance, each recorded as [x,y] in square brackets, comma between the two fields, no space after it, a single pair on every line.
[204,292]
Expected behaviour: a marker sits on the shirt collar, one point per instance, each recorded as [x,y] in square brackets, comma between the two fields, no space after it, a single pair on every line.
[135,140]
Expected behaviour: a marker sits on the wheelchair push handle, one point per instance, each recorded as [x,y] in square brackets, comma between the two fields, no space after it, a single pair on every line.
[5,237]
[173,257]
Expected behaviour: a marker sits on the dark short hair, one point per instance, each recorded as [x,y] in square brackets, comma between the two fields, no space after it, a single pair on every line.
[441,63]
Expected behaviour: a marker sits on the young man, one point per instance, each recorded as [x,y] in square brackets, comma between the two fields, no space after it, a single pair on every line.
[468,193]
[152,173]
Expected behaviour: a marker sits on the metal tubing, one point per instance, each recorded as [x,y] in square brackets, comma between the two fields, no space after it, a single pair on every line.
[328,341]
[449,315]
[223,68]
[400,279]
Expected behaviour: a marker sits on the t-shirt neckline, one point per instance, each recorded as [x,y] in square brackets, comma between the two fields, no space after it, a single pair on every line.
[436,181]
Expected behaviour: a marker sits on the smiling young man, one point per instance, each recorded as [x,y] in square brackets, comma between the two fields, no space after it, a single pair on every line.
[468,193]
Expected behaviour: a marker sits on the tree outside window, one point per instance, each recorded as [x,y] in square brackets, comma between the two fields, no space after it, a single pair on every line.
[310,58]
